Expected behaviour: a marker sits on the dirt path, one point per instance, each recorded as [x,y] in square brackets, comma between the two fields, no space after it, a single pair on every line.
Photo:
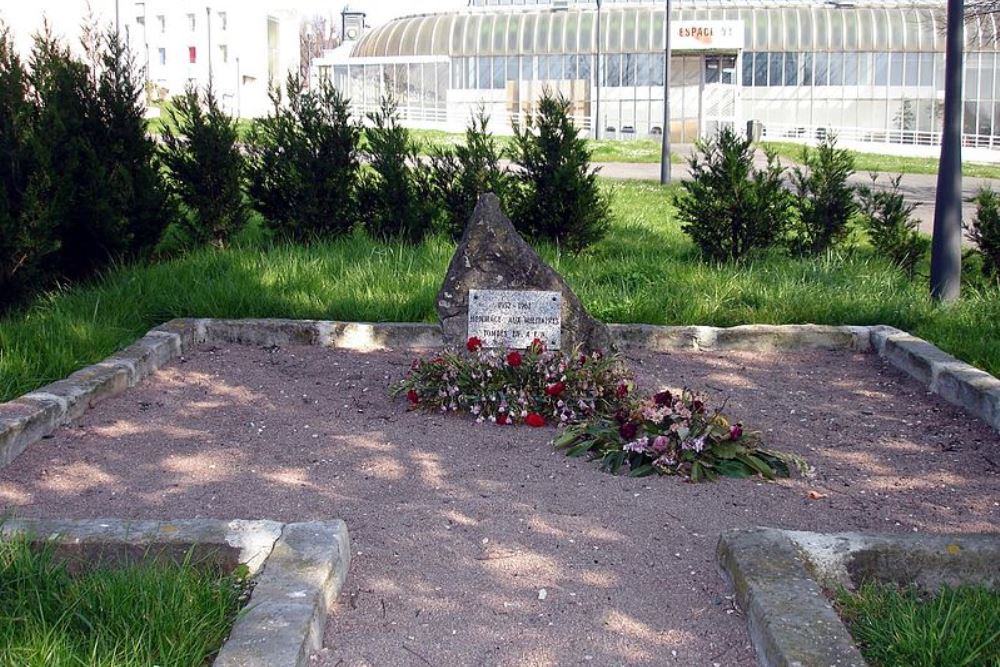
[456,528]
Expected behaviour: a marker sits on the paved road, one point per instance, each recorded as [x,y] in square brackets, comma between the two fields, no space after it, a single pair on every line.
[917,188]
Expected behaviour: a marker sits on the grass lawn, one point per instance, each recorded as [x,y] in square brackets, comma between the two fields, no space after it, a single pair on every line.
[138,615]
[957,627]
[646,270]
[889,164]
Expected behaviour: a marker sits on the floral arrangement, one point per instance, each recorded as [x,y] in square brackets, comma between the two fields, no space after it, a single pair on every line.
[535,387]
[591,396]
[673,434]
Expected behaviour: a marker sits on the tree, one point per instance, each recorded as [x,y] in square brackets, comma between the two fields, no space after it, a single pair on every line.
[824,197]
[304,162]
[205,167]
[396,195]
[557,197]
[462,173]
[316,35]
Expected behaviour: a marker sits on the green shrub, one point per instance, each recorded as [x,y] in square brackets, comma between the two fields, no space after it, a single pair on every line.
[824,197]
[462,173]
[24,242]
[205,168]
[397,196]
[137,187]
[70,188]
[890,224]
[557,197]
[984,230]
[730,207]
[303,166]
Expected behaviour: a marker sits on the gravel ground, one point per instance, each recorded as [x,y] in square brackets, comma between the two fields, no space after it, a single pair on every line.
[479,545]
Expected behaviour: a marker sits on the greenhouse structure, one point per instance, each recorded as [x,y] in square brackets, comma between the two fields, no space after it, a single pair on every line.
[867,71]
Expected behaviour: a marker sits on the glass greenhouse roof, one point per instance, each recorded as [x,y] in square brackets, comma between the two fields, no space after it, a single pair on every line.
[786,26]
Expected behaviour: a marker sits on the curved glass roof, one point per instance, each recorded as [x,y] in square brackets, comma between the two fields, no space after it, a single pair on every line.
[788,26]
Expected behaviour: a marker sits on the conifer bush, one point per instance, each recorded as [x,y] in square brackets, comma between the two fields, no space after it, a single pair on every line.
[730,207]
[397,195]
[304,162]
[462,173]
[984,230]
[24,241]
[205,168]
[556,195]
[824,197]
[890,224]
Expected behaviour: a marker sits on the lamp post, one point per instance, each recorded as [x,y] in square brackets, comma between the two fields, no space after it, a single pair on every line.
[946,245]
[597,72]
[665,144]
[208,22]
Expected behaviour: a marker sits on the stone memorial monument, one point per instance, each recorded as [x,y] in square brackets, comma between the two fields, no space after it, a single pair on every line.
[498,289]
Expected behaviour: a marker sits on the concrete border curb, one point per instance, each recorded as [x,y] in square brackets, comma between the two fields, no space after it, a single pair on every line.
[28,419]
[779,576]
[791,623]
[300,569]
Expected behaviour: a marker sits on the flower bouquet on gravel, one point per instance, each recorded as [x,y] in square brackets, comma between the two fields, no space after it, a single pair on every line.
[591,396]
[673,434]
[534,386]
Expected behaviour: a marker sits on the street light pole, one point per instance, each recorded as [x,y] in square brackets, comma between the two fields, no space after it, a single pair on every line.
[946,245]
[665,145]
[208,22]
[597,70]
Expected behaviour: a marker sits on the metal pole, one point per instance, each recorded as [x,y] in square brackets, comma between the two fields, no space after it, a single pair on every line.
[946,248]
[665,145]
[117,19]
[239,84]
[208,21]
[597,69]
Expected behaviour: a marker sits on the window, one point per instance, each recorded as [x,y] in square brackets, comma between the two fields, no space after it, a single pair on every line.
[760,68]
[191,21]
[776,70]
[224,53]
[161,20]
[192,54]
[223,20]
[821,77]
[881,69]
[850,69]
[807,69]
[162,53]
[791,69]
[628,69]
[836,69]
[747,69]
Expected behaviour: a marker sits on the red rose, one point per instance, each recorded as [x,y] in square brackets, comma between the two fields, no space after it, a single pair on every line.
[736,431]
[502,419]
[663,398]
[534,419]
[583,359]
[537,346]
[622,390]
[514,359]
[412,396]
[473,344]
[697,406]
[555,389]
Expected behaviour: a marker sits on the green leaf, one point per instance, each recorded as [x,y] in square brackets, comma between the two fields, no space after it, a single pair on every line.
[757,464]
[566,438]
[727,450]
[697,472]
[580,449]
[733,469]
[642,471]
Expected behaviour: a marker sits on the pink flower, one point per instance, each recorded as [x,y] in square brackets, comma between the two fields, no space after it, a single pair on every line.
[473,344]
[736,431]
[660,444]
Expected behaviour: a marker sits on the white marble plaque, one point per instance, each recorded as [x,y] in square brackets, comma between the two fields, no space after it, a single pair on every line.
[514,318]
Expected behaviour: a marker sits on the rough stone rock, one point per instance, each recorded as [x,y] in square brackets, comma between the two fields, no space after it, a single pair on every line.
[492,255]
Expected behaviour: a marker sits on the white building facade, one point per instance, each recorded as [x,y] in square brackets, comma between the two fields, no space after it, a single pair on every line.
[237,47]
[870,71]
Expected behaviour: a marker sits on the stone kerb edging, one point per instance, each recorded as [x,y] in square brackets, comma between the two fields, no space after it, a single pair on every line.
[299,570]
[25,420]
[779,575]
